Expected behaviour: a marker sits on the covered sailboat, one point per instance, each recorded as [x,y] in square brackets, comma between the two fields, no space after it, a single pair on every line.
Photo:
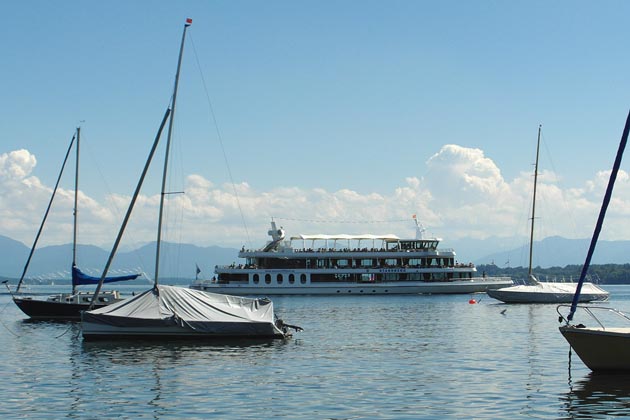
[167,312]
[66,305]
[535,291]
[601,348]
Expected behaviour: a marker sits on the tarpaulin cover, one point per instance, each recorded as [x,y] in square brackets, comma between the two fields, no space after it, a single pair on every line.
[203,312]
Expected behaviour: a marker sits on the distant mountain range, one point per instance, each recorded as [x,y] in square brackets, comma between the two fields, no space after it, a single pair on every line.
[54,262]
[180,260]
[553,251]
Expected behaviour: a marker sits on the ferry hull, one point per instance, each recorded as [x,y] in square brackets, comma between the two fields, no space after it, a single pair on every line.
[393,288]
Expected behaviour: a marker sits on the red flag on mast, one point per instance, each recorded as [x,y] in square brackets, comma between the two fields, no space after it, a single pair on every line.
[188,21]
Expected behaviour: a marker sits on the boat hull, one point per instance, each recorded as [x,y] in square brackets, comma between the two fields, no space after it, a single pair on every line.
[152,329]
[341,288]
[43,309]
[548,293]
[601,350]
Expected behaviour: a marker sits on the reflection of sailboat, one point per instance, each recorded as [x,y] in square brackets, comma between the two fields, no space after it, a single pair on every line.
[598,396]
[66,305]
[599,347]
[543,292]
[168,311]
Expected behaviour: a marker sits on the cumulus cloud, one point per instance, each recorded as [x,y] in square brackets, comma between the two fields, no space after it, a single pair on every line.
[16,165]
[462,194]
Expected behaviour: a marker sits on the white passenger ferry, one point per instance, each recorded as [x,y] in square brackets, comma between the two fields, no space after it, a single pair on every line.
[348,264]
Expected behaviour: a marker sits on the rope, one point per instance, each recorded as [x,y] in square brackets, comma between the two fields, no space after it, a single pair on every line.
[64,333]
[2,322]
[216,126]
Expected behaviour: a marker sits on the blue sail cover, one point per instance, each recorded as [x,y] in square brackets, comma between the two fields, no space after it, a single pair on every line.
[79,278]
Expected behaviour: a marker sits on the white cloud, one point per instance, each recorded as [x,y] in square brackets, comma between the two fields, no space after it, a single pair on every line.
[462,194]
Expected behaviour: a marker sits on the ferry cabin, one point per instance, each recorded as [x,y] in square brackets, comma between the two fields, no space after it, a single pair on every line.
[396,260]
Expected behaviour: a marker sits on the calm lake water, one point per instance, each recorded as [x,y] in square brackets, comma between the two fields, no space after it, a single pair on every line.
[360,357]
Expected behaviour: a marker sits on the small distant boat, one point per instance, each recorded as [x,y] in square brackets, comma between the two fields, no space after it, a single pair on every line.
[601,348]
[169,312]
[544,292]
[67,306]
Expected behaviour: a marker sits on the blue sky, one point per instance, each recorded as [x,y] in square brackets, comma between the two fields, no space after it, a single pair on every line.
[337,111]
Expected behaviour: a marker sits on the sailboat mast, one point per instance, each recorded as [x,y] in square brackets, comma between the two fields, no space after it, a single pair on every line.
[600,218]
[41,226]
[76,207]
[168,146]
[531,235]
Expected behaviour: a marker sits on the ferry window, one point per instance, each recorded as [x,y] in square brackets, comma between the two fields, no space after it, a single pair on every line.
[267,278]
[321,263]
[256,279]
[279,279]
[391,262]
[303,278]
[291,278]
[342,263]
[366,263]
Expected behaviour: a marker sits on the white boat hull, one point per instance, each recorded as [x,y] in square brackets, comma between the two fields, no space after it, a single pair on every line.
[548,293]
[479,285]
[601,350]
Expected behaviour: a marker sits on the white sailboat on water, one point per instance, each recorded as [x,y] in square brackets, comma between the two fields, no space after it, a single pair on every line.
[535,291]
[601,348]
[175,312]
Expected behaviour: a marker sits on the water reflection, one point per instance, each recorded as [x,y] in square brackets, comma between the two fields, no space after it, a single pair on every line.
[598,396]
[168,371]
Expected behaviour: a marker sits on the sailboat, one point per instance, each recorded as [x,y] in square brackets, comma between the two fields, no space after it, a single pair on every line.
[175,312]
[601,348]
[66,305]
[535,291]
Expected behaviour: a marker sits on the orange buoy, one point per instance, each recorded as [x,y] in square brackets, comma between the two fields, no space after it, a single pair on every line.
[472,301]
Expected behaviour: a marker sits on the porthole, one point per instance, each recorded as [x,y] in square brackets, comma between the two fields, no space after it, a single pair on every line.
[267,278]
[279,278]
[256,279]
[303,278]
[291,278]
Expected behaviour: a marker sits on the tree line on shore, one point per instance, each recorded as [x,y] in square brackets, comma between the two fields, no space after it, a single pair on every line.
[600,273]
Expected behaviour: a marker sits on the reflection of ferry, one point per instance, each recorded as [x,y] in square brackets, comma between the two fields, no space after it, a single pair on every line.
[348,264]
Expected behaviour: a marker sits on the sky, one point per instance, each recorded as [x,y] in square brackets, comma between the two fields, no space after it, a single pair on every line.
[330,117]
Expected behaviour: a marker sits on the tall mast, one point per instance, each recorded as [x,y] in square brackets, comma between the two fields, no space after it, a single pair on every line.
[168,146]
[41,226]
[600,218]
[530,277]
[76,207]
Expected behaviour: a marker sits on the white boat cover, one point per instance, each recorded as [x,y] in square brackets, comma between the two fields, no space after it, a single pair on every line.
[544,292]
[188,310]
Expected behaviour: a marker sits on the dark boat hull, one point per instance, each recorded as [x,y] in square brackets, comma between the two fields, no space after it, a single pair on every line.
[43,309]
